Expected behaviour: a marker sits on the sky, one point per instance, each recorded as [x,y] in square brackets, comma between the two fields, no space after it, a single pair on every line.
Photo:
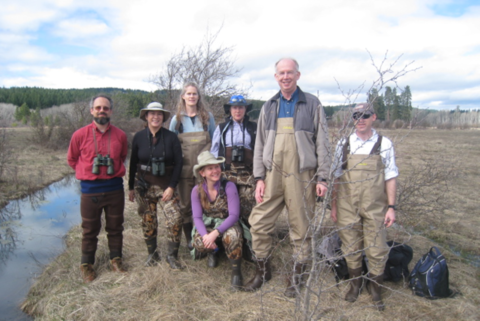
[340,45]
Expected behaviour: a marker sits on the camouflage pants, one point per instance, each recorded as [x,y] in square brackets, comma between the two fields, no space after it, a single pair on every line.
[147,209]
[246,189]
[232,241]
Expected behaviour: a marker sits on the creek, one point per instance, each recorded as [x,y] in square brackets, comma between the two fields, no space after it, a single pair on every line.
[32,233]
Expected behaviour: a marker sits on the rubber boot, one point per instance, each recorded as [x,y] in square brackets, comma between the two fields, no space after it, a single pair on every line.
[356,282]
[153,257]
[294,280]
[237,278]
[212,259]
[375,289]
[172,256]
[263,274]
[187,230]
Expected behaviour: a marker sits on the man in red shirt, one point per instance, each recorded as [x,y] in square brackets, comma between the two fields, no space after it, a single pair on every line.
[97,153]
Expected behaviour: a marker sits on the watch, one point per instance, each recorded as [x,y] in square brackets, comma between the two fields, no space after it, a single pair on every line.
[392,206]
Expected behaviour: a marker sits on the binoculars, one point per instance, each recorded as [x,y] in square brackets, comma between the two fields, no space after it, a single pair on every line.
[102,161]
[238,154]
[158,166]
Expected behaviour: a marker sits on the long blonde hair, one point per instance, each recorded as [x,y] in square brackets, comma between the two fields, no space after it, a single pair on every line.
[204,201]
[202,111]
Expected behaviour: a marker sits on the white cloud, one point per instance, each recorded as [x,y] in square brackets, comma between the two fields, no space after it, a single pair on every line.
[130,41]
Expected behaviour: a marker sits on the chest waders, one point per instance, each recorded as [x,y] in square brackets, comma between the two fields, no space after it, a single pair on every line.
[285,186]
[361,207]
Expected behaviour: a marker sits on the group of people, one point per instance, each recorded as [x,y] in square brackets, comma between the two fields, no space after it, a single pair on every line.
[228,184]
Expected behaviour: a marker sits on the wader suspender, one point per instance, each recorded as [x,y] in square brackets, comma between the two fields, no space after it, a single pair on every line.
[179,127]
[346,150]
[95,141]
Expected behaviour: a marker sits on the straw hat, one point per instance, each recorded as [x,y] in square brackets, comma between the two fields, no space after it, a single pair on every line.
[205,158]
[155,106]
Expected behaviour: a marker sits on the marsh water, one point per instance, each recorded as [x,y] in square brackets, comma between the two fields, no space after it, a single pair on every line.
[31,235]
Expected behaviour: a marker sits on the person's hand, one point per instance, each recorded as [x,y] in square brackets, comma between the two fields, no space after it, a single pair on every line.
[209,240]
[131,195]
[167,194]
[322,189]
[389,217]
[333,214]
[260,191]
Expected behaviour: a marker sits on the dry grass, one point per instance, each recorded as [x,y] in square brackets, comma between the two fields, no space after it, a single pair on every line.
[30,167]
[199,293]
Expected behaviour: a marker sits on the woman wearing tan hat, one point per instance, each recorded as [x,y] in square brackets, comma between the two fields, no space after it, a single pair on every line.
[216,210]
[194,126]
[155,166]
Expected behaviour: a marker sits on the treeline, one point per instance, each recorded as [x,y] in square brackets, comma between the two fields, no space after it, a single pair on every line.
[391,106]
[38,97]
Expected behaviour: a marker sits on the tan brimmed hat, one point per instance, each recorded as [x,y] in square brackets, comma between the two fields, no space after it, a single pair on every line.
[205,158]
[155,106]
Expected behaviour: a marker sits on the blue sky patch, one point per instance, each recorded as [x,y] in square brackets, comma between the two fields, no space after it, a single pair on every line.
[455,9]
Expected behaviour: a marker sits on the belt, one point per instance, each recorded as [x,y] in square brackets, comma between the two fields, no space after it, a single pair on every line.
[145,168]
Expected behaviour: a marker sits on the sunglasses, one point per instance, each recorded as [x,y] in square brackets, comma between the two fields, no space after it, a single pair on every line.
[357,116]
[104,108]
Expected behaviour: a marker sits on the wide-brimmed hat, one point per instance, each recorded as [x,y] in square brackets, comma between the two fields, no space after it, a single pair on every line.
[155,106]
[205,158]
[237,100]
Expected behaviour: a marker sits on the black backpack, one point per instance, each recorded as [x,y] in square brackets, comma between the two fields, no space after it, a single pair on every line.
[429,277]
[396,268]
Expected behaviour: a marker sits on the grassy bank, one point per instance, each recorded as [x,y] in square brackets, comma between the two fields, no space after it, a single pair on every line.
[199,293]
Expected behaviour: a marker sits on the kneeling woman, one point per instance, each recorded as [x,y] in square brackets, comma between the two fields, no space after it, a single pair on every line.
[155,167]
[216,210]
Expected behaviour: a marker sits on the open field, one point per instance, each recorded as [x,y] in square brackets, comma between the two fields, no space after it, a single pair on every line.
[198,293]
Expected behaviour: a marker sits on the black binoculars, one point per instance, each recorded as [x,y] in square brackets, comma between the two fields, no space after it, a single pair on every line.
[102,161]
[238,154]
[158,166]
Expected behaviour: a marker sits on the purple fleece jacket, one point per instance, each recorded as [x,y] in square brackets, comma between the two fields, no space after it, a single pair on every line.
[233,201]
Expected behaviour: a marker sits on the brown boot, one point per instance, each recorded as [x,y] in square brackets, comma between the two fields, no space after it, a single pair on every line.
[237,278]
[375,289]
[116,265]
[294,280]
[356,283]
[87,272]
[172,256]
[262,275]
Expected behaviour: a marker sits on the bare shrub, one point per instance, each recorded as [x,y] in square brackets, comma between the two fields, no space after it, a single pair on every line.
[209,66]
[398,123]
[448,126]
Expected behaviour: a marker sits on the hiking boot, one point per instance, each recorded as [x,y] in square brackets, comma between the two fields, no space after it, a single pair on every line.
[294,280]
[87,272]
[356,282]
[263,274]
[237,278]
[116,265]
[212,259]
[374,287]
[172,256]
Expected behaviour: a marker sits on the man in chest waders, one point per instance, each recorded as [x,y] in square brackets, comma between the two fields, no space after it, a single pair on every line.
[291,162]
[363,201]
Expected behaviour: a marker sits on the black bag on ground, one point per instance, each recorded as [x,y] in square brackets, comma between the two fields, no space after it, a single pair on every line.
[396,268]
[429,277]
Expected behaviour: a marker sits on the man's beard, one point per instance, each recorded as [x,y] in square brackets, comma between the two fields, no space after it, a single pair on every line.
[101,120]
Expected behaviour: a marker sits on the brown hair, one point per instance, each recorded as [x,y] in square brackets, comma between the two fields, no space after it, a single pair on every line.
[201,107]
[204,201]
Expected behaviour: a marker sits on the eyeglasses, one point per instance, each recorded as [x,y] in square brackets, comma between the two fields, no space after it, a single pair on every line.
[357,116]
[104,108]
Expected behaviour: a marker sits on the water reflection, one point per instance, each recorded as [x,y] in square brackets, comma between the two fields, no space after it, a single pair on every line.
[31,234]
